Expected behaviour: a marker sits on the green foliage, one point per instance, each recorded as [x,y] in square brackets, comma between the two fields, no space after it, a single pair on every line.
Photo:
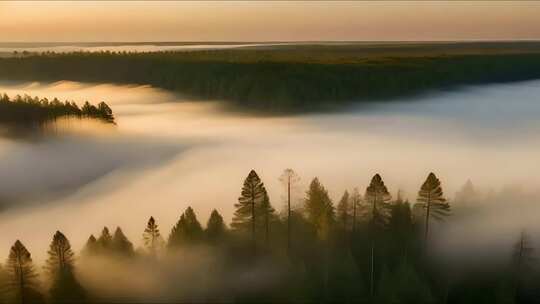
[251,197]
[319,209]
[283,80]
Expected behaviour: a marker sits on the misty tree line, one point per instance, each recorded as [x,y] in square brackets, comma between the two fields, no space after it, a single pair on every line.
[367,248]
[34,111]
[278,80]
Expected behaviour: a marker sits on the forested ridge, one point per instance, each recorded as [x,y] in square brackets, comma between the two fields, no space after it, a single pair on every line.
[28,112]
[282,80]
[368,247]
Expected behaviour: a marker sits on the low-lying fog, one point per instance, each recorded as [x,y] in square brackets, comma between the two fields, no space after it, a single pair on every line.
[168,152]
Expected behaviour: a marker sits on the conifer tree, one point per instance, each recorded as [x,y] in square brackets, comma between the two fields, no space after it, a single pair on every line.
[377,198]
[187,230]
[152,237]
[60,266]
[356,200]
[319,208]
[215,227]
[22,277]
[289,178]
[61,257]
[267,215]
[431,199]
[245,216]
[344,212]
[91,247]
[120,243]
[105,240]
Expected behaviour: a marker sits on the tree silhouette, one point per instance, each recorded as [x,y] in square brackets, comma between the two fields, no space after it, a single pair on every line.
[60,266]
[377,198]
[289,178]
[187,230]
[319,208]
[120,243]
[523,261]
[431,199]
[152,237]
[215,227]
[91,247]
[344,212]
[246,209]
[105,240]
[61,257]
[356,200]
[267,214]
[22,277]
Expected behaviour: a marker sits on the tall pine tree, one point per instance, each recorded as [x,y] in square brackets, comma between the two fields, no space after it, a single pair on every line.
[60,268]
[152,238]
[252,195]
[376,198]
[22,277]
[319,208]
[431,199]
[187,230]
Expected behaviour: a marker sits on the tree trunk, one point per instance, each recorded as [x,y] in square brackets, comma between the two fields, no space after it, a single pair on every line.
[253,218]
[372,275]
[289,214]
[428,202]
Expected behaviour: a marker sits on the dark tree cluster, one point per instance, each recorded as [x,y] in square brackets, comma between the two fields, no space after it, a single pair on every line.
[34,112]
[267,82]
[369,248]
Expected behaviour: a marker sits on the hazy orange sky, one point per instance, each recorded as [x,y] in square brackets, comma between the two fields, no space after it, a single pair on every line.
[57,21]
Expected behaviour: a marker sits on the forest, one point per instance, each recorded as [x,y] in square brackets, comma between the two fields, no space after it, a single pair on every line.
[288,79]
[33,112]
[368,247]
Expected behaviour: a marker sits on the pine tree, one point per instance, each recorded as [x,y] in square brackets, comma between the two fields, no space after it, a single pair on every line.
[267,214]
[105,240]
[289,178]
[60,267]
[91,247]
[246,209]
[319,208]
[120,243]
[377,197]
[215,227]
[401,226]
[344,212]
[105,112]
[61,257]
[431,199]
[22,277]
[152,237]
[187,230]
[356,200]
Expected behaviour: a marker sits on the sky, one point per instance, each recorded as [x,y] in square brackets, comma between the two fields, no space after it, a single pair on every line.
[108,21]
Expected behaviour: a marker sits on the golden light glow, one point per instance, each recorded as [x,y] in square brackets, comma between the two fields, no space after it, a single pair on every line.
[267,21]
